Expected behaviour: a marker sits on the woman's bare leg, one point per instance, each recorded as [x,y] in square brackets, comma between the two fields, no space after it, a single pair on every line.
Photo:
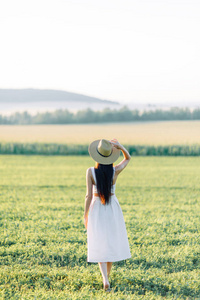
[103,269]
[109,266]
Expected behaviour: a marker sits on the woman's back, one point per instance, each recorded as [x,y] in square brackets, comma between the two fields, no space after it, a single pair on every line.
[95,191]
[106,231]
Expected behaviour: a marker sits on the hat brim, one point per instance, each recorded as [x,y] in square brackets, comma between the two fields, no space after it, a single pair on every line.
[92,149]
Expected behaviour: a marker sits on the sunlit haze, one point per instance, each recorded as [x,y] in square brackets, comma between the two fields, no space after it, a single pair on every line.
[125,50]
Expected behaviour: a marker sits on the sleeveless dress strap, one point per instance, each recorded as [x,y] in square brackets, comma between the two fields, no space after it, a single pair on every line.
[113,176]
[93,174]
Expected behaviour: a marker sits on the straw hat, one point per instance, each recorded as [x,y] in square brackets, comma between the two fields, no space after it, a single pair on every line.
[103,152]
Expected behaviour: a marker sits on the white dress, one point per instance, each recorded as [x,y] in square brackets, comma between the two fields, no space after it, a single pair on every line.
[107,239]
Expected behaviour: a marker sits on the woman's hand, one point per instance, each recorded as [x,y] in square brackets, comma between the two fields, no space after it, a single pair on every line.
[116,144]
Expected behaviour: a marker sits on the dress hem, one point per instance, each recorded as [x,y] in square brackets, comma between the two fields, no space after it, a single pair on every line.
[108,260]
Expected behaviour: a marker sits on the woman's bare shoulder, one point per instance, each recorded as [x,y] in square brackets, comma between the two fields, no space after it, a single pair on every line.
[89,174]
[89,171]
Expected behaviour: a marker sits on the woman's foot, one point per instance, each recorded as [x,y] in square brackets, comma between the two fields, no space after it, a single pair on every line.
[106,286]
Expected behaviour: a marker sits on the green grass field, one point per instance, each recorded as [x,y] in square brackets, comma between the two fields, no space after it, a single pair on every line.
[43,250]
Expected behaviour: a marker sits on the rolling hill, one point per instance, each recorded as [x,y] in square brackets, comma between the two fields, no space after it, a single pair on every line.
[37,100]
[35,95]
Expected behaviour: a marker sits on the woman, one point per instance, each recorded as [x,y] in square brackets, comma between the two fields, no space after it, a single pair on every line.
[103,218]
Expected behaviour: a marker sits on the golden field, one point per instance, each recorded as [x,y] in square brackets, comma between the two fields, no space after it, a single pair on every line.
[138,133]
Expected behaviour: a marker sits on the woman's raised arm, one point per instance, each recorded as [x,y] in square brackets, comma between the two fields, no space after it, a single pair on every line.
[127,157]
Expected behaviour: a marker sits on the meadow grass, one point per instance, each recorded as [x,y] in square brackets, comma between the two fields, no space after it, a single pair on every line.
[132,133]
[43,249]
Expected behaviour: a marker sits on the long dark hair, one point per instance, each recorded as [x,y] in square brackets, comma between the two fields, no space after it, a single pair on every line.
[104,177]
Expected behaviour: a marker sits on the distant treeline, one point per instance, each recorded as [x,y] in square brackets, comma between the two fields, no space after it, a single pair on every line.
[107,115]
[63,149]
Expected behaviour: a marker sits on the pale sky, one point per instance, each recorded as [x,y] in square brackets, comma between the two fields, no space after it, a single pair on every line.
[124,50]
